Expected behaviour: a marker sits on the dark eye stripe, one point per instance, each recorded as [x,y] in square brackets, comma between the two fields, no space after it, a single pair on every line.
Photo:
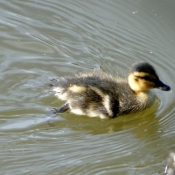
[147,78]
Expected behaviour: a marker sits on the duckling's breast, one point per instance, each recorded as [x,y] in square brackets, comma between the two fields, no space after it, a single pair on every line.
[130,102]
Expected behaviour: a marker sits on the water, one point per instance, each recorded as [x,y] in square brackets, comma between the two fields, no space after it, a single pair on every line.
[41,40]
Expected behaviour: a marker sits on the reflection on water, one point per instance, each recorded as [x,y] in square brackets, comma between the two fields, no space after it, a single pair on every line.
[43,40]
[170,165]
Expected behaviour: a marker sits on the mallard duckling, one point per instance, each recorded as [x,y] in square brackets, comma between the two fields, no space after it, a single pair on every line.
[170,167]
[99,94]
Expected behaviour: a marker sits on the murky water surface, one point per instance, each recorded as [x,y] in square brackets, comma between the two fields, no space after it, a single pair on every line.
[40,40]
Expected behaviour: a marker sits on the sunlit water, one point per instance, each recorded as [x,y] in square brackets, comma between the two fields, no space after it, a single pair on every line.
[41,40]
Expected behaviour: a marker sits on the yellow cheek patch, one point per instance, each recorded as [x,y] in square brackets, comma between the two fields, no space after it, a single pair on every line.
[77,89]
[145,85]
[139,84]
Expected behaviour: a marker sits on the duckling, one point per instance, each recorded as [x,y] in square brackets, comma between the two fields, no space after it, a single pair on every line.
[170,167]
[99,94]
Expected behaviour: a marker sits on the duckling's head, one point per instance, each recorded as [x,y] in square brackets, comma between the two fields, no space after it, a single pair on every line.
[142,77]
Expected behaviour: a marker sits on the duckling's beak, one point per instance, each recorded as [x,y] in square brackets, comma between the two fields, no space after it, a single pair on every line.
[160,85]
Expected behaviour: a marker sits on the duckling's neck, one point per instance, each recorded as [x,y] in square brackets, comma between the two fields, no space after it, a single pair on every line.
[145,97]
[133,101]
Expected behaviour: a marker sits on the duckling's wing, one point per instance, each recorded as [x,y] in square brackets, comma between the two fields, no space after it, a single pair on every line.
[90,94]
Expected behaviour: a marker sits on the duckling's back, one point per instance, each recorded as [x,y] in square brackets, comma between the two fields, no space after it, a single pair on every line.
[97,94]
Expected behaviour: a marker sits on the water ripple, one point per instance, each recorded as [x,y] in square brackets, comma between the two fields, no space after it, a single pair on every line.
[41,40]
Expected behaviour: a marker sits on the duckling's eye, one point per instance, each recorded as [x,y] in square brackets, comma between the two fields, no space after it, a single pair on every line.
[147,78]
